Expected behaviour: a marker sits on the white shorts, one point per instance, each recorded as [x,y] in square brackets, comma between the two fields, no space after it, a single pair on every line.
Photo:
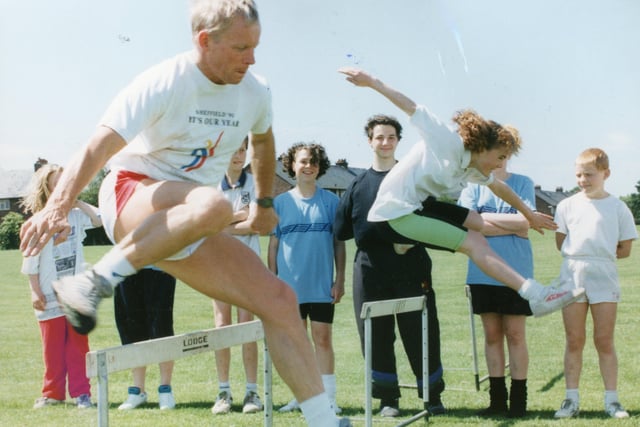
[599,278]
[107,203]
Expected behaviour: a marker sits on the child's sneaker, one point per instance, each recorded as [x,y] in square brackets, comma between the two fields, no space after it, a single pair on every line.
[41,402]
[79,297]
[84,401]
[552,298]
[135,399]
[615,410]
[165,397]
[291,406]
[568,409]
[251,403]
[389,408]
[223,403]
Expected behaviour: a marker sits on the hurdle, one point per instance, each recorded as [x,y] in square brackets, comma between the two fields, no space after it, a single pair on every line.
[100,363]
[392,307]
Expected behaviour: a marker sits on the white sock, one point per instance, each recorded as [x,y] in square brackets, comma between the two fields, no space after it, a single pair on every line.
[610,396]
[530,289]
[252,387]
[572,393]
[114,267]
[329,383]
[224,386]
[317,411]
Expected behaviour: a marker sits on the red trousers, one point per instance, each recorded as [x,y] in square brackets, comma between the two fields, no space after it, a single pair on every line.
[63,351]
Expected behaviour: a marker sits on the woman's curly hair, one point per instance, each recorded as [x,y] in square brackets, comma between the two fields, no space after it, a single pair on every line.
[480,135]
[318,157]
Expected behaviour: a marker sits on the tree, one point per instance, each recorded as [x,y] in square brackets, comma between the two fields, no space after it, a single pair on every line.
[10,231]
[95,236]
[633,201]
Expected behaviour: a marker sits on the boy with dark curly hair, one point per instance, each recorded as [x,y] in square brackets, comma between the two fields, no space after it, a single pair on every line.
[303,250]
[442,163]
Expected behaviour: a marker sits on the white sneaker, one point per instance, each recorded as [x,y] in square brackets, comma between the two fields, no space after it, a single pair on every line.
[79,297]
[223,403]
[291,406]
[166,401]
[41,402]
[84,401]
[615,410]
[553,298]
[251,403]
[135,399]
[568,409]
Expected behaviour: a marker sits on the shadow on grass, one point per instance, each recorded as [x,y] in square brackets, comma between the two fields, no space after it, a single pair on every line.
[552,382]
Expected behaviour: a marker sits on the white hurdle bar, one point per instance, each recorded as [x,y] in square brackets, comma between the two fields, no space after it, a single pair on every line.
[100,363]
[392,307]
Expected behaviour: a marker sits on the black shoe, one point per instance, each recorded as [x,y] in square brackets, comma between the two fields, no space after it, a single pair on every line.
[436,407]
[493,411]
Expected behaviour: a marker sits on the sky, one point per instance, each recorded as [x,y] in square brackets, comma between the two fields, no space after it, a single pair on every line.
[564,73]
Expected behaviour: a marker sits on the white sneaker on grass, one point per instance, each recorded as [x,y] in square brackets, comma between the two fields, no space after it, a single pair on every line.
[223,403]
[552,297]
[568,409]
[79,297]
[134,399]
[251,403]
[615,410]
[84,401]
[166,401]
[41,402]
[291,406]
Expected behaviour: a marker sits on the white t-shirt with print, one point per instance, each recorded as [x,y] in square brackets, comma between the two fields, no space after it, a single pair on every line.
[180,126]
[241,197]
[55,261]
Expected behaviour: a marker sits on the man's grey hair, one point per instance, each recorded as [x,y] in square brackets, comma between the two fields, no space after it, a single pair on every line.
[215,16]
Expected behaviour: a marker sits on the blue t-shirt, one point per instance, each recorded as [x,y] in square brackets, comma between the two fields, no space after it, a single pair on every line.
[305,251]
[516,251]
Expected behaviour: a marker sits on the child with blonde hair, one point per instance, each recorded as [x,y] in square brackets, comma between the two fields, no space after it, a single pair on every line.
[63,349]
[594,229]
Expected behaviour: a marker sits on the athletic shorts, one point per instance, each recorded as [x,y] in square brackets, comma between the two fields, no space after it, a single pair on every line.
[437,225]
[599,278]
[498,299]
[143,306]
[116,189]
[318,311]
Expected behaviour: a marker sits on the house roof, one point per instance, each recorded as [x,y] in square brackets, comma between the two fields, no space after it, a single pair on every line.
[14,183]
[337,177]
[552,198]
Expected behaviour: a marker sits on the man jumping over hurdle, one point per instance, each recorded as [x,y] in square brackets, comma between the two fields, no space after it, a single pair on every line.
[168,137]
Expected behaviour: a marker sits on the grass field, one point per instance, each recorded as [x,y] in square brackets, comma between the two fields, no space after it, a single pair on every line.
[195,382]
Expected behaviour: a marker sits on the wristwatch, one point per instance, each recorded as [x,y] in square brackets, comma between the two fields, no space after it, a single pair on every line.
[265,202]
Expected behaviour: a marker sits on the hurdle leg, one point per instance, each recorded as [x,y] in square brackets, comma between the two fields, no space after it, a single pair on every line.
[268,395]
[103,390]
[368,410]
[472,329]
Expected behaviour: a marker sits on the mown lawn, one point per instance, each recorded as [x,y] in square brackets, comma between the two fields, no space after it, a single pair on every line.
[195,383]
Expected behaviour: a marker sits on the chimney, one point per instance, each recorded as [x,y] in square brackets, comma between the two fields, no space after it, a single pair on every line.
[559,190]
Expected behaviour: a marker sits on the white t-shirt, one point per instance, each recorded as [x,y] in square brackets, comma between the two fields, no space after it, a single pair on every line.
[180,126]
[242,194]
[55,261]
[436,166]
[593,226]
